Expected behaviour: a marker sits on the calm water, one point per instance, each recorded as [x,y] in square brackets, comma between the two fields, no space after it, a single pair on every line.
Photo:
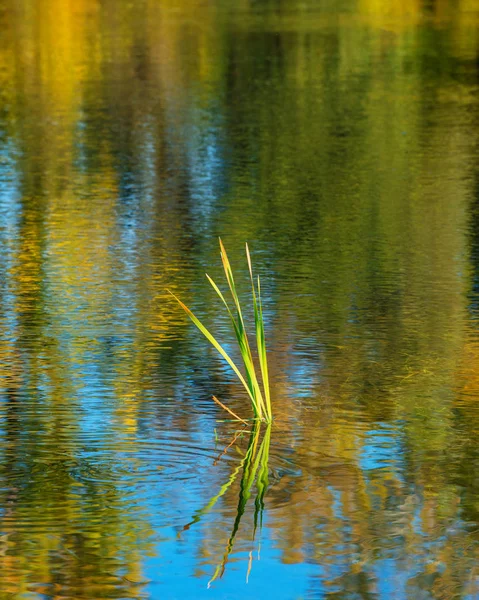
[341,140]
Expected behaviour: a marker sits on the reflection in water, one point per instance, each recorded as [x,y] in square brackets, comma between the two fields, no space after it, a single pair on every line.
[340,138]
[254,468]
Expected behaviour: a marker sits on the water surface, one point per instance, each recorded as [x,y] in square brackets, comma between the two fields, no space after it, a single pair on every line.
[341,140]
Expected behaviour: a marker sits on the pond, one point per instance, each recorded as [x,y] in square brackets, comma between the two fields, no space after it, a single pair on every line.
[341,141]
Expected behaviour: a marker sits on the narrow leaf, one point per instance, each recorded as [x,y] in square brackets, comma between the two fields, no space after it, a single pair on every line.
[229,410]
[213,341]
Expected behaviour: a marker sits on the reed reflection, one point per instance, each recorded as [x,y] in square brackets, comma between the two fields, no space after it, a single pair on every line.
[252,469]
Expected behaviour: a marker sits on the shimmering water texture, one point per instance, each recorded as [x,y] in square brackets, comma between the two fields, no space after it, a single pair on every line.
[341,140]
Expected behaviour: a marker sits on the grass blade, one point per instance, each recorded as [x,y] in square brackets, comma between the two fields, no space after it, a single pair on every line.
[241,335]
[263,357]
[260,337]
[243,344]
[218,346]
[260,398]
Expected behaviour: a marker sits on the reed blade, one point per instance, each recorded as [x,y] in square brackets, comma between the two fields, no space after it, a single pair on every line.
[241,338]
[263,357]
[260,396]
[218,291]
[260,337]
[216,345]
[241,334]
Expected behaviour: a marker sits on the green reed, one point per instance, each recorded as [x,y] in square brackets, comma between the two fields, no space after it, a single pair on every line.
[260,399]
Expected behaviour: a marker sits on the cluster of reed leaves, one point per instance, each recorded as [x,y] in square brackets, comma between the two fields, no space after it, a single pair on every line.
[260,398]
